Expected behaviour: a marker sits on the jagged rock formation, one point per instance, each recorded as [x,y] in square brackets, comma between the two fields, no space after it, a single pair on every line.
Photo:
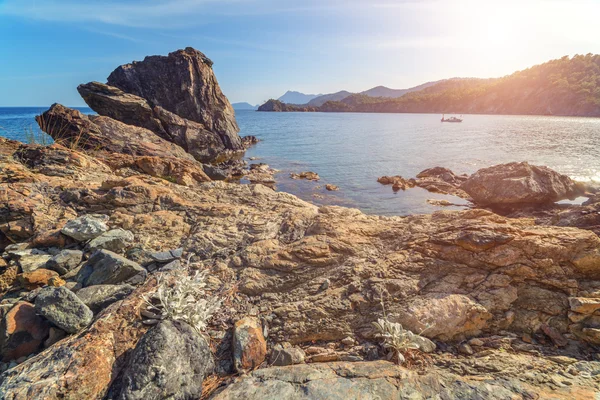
[314,275]
[184,84]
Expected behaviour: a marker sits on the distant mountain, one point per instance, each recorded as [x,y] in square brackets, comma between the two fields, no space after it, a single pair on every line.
[291,97]
[319,101]
[382,91]
[566,87]
[244,106]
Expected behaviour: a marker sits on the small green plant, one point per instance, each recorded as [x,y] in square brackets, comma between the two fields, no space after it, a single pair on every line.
[184,299]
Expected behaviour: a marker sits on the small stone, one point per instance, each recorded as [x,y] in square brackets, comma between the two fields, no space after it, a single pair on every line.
[55,336]
[476,342]
[85,228]
[465,349]
[315,350]
[22,331]
[106,267]
[99,297]
[324,285]
[56,281]
[348,341]
[286,356]
[36,279]
[115,240]
[30,263]
[526,337]
[65,261]
[249,346]
[167,256]
[331,187]
[425,345]
[63,308]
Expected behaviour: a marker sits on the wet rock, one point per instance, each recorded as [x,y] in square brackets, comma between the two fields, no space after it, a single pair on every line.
[106,267]
[38,278]
[281,355]
[115,240]
[184,84]
[63,308]
[170,361]
[331,188]
[98,297]
[22,330]
[85,228]
[308,175]
[29,263]
[65,261]
[519,183]
[249,345]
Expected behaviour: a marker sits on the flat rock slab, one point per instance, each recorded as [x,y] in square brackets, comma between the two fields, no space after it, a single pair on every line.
[30,263]
[63,308]
[99,297]
[167,256]
[106,267]
[84,228]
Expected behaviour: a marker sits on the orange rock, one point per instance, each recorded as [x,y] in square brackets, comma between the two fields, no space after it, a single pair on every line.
[23,331]
[51,238]
[38,278]
[8,278]
[249,345]
[56,281]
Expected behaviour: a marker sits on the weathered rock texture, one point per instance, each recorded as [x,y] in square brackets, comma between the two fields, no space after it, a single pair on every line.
[516,183]
[184,84]
[170,361]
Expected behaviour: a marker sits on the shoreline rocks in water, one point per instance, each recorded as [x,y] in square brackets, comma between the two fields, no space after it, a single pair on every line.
[509,307]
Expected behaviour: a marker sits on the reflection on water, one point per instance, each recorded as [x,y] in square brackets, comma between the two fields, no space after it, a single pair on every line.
[353,150]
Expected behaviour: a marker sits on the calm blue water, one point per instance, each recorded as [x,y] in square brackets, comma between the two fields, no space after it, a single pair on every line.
[352,150]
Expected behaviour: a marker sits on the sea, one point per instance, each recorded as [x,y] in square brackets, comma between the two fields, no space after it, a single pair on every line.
[351,150]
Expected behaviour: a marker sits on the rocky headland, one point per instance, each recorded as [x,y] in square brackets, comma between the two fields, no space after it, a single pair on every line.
[131,269]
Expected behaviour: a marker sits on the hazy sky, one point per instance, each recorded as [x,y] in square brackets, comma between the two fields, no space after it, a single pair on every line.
[261,48]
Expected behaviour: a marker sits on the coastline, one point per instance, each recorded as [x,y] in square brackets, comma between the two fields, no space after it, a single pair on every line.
[132,268]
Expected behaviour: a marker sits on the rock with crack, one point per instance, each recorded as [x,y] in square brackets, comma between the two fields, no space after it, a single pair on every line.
[184,84]
[63,308]
[170,361]
[98,297]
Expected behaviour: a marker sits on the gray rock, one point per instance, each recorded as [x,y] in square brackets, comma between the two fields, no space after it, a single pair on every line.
[170,361]
[63,308]
[281,356]
[173,265]
[167,256]
[29,263]
[215,173]
[18,253]
[425,345]
[106,267]
[115,240]
[84,228]
[65,261]
[99,297]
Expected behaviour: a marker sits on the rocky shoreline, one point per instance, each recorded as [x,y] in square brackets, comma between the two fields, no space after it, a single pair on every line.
[131,269]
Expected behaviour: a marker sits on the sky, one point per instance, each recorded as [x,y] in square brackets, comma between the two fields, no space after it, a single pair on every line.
[262,48]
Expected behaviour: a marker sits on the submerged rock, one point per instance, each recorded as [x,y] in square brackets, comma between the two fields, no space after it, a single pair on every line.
[63,308]
[519,183]
[170,361]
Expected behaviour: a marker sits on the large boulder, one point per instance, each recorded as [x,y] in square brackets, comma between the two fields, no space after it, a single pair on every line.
[128,108]
[106,267]
[519,183]
[170,361]
[63,308]
[184,84]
